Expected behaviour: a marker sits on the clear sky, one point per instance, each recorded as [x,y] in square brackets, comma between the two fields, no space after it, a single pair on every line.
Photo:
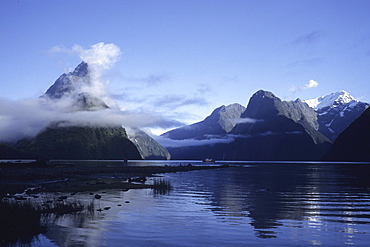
[184,58]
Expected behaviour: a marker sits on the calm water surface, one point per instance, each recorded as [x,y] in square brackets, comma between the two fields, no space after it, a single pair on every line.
[249,205]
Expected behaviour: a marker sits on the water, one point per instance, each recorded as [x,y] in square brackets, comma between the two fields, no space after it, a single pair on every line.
[249,205]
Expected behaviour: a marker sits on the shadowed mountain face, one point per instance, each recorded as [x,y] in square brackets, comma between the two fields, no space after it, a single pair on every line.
[73,142]
[269,129]
[278,130]
[263,109]
[221,121]
[353,144]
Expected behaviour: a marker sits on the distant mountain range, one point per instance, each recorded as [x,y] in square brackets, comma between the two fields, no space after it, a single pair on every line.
[268,129]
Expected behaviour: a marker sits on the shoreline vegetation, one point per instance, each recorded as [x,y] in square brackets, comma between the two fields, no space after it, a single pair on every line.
[22,210]
[43,177]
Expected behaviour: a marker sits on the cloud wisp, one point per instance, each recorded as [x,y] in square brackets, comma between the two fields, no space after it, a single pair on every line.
[168,143]
[308,38]
[309,85]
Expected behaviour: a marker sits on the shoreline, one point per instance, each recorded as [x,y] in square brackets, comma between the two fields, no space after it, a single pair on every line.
[16,178]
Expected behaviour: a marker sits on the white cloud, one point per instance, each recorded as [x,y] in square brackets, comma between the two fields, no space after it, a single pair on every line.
[167,142]
[310,84]
[246,120]
[100,55]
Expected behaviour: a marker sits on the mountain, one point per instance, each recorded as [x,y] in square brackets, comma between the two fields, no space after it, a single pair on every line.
[148,148]
[221,121]
[9,152]
[60,141]
[75,86]
[278,130]
[353,144]
[268,129]
[335,112]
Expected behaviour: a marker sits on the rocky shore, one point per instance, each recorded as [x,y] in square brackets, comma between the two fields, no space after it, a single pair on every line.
[15,177]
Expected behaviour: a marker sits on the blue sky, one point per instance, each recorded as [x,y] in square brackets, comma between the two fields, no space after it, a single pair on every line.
[182,59]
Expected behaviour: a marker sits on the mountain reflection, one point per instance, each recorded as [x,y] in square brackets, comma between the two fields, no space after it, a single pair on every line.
[270,194]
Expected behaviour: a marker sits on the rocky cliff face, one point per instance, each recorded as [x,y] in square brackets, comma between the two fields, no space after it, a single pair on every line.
[353,144]
[148,148]
[221,121]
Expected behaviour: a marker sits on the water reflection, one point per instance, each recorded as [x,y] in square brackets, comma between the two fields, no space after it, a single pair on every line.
[262,204]
[309,195]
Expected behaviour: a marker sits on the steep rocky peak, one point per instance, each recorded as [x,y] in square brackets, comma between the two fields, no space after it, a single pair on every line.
[81,70]
[262,105]
[69,82]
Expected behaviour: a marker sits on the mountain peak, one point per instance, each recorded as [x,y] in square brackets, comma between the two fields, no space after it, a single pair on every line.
[262,94]
[69,82]
[81,70]
[331,100]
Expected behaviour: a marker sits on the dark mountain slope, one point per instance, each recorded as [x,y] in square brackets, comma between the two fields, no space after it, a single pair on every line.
[74,142]
[8,152]
[353,144]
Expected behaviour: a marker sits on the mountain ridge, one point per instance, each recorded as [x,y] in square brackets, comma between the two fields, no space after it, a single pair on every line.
[265,116]
[267,129]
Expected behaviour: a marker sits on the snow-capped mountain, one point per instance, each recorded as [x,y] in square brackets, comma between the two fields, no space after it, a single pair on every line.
[331,100]
[335,112]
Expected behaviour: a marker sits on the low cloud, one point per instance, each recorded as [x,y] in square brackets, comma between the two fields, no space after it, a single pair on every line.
[246,120]
[214,139]
[26,118]
[167,142]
